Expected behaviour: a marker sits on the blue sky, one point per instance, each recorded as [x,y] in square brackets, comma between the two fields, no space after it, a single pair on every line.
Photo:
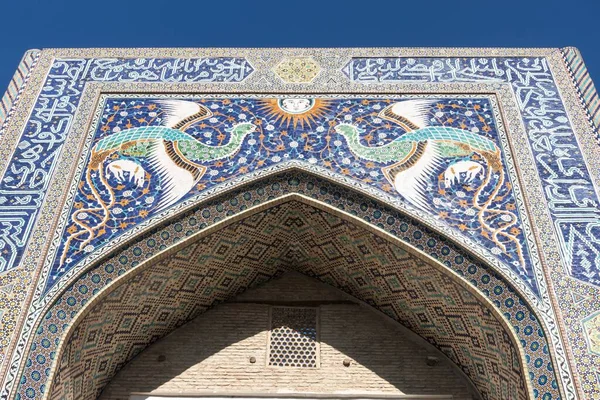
[298,23]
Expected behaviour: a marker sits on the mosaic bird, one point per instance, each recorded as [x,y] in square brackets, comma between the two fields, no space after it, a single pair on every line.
[418,153]
[173,154]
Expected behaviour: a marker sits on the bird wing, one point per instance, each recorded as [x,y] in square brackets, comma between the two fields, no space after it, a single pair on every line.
[177,176]
[410,114]
[411,176]
[176,112]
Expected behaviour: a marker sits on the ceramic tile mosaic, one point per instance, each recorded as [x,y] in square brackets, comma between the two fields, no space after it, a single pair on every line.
[464,183]
[293,236]
[485,159]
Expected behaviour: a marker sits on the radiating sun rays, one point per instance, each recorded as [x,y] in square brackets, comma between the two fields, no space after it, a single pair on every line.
[300,110]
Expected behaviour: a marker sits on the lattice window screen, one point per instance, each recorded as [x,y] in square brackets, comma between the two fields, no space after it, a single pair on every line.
[293,341]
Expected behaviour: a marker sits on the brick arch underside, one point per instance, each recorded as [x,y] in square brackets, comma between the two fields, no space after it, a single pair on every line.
[152,301]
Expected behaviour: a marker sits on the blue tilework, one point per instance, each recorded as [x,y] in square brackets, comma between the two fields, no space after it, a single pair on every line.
[314,141]
[24,184]
[571,198]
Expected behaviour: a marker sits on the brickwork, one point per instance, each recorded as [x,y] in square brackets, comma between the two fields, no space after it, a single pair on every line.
[212,353]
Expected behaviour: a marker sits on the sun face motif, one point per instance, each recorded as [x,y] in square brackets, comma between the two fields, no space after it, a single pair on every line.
[302,110]
[296,106]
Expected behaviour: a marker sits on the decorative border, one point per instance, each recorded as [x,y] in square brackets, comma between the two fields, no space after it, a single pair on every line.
[17,85]
[585,87]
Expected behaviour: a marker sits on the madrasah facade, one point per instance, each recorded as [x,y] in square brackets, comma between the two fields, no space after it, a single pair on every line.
[374,223]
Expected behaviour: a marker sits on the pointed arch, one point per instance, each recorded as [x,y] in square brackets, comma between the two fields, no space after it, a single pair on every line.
[476,281]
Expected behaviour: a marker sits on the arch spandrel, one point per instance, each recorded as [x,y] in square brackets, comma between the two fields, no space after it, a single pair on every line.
[513,306]
[486,198]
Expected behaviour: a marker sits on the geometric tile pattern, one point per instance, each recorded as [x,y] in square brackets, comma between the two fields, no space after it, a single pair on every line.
[270,248]
[591,327]
[290,236]
[560,110]
[297,69]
